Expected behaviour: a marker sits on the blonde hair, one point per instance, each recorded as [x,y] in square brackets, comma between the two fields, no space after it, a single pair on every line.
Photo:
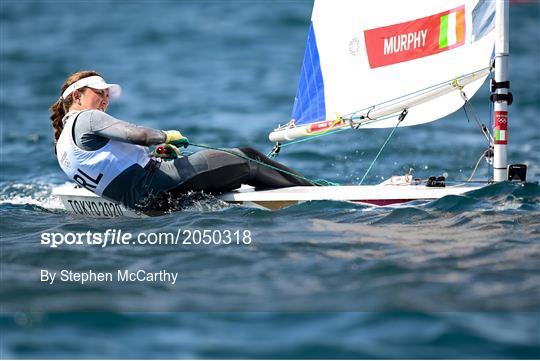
[60,107]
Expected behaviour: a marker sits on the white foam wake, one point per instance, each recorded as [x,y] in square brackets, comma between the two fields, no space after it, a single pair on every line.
[36,193]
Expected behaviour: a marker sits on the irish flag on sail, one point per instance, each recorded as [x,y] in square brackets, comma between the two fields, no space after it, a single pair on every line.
[452,30]
[415,39]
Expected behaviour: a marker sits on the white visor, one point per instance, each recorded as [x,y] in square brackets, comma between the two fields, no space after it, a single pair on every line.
[94,82]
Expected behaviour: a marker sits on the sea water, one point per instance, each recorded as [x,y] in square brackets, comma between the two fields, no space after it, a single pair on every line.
[457,277]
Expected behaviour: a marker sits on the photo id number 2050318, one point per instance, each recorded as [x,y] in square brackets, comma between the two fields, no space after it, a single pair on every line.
[208,236]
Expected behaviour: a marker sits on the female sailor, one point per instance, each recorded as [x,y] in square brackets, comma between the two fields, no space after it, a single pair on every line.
[110,157]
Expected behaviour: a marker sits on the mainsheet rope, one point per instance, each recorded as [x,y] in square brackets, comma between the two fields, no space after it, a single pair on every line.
[317,182]
[400,119]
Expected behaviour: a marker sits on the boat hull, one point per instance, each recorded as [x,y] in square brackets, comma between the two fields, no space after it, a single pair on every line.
[80,201]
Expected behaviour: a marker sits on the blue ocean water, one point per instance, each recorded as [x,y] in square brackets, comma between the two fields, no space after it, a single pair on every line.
[454,278]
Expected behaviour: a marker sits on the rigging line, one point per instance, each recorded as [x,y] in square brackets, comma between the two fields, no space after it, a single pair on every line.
[418,92]
[400,119]
[476,166]
[467,107]
[318,182]
[368,120]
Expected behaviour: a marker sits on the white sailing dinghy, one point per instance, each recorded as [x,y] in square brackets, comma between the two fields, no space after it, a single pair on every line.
[387,65]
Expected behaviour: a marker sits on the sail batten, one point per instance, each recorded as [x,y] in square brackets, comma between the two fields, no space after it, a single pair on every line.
[358,56]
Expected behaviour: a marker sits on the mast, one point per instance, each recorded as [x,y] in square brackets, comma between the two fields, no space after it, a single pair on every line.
[501,97]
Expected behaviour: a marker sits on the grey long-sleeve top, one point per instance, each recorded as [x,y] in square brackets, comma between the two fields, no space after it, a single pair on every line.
[94,128]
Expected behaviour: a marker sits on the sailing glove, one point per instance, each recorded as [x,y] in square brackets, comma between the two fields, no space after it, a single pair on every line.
[176,138]
[165,151]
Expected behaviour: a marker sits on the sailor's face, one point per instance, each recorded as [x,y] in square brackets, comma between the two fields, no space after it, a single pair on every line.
[95,99]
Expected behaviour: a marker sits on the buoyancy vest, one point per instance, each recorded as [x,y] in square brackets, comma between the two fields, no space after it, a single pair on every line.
[94,170]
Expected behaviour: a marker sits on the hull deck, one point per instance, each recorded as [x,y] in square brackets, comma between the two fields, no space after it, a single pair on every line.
[81,201]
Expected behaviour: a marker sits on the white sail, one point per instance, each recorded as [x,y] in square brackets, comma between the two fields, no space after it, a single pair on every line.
[360,56]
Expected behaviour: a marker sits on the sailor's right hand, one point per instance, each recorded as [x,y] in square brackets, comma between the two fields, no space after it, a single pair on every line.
[176,138]
[165,151]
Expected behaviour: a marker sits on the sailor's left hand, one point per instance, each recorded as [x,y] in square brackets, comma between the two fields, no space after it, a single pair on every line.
[176,138]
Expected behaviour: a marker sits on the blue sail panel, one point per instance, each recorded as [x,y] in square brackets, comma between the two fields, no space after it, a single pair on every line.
[309,105]
[483,19]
